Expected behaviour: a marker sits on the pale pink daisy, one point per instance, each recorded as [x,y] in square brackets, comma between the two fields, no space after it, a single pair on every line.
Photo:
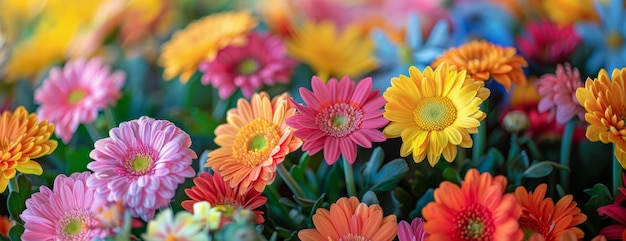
[141,163]
[558,93]
[75,93]
[338,116]
[67,212]
[262,61]
[411,232]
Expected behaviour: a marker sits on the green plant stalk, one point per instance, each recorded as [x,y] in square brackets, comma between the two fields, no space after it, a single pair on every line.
[93,132]
[617,174]
[13,187]
[480,138]
[566,149]
[110,118]
[349,176]
[291,183]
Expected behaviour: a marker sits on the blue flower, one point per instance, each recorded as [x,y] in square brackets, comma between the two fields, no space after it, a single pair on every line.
[481,20]
[608,38]
[395,60]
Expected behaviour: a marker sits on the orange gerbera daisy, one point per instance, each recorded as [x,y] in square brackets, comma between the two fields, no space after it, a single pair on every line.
[605,103]
[349,219]
[478,210]
[540,215]
[254,141]
[484,60]
[5,225]
[22,138]
[201,40]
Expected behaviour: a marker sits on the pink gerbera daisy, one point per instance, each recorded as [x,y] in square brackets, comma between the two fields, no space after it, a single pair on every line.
[263,60]
[141,163]
[411,232]
[338,116]
[67,212]
[558,93]
[548,43]
[75,93]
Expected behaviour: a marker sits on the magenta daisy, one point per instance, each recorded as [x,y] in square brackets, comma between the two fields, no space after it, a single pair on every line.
[338,116]
[75,93]
[263,60]
[67,212]
[141,163]
[558,94]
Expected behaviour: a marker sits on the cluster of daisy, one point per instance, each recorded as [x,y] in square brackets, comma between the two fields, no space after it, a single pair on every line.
[136,171]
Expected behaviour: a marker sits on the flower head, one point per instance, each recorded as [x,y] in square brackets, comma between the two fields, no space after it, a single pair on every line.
[540,214]
[261,61]
[548,43]
[141,163]
[181,227]
[22,138]
[617,212]
[211,217]
[558,93]
[332,53]
[411,232]
[5,225]
[348,219]
[192,45]
[607,38]
[254,141]
[75,93]
[338,116]
[478,210]
[483,60]
[67,212]
[223,197]
[605,103]
[434,112]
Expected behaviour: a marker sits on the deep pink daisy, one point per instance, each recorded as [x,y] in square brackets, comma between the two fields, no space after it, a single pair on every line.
[337,116]
[547,42]
[617,212]
[67,212]
[141,163]
[75,93]
[558,94]
[263,60]
[411,232]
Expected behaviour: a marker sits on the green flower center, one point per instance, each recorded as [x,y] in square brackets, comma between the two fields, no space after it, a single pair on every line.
[76,96]
[139,164]
[474,222]
[258,143]
[474,228]
[339,119]
[248,66]
[614,40]
[73,227]
[434,113]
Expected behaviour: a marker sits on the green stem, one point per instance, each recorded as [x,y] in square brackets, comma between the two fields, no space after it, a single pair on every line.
[349,176]
[110,118]
[566,148]
[617,174]
[480,138]
[13,187]
[93,132]
[274,197]
[291,183]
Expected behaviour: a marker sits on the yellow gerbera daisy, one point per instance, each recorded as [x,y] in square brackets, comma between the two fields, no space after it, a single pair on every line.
[22,138]
[333,54]
[254,141]
[605,102]
[434,111]
[484,60]
[201,40]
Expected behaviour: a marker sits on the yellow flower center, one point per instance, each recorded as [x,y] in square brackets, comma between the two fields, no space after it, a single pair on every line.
[76,96]
[255,142]
[73,227]
[353,237]
[226,210]
[434,113]
[248,66]
[614,40]
[139,164]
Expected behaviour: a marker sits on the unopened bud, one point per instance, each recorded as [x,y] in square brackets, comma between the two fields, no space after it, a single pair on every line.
[516,121]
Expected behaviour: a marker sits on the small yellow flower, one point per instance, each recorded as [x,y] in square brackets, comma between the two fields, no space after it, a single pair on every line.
[201,40]
[333,54]
[22,138]
[604,100]
[208,215]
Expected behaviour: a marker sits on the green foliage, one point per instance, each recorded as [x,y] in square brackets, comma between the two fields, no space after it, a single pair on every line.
[385,178]
[16,202]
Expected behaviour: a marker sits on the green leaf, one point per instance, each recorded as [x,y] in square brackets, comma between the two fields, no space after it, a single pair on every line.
[17,200]
[542,169]
[492,159]
[318,203]
[386,178]
[15,233]
[421,203]
[77,159]
[452,175]
[370,198]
